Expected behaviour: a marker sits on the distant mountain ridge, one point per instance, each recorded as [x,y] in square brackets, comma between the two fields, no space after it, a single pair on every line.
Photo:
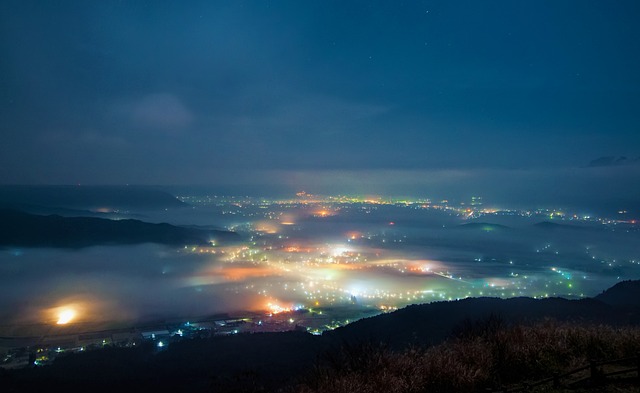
[21,229]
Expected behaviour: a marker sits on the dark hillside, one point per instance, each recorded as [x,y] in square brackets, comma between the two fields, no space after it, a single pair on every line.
[625,293]
[431,323]
[21,229]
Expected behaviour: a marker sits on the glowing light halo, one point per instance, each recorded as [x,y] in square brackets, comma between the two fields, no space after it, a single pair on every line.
[65,316]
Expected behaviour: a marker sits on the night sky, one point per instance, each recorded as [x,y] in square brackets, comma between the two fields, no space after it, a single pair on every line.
[331,92]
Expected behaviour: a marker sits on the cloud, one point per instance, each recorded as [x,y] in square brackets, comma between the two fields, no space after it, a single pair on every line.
[322,114]
[161,112]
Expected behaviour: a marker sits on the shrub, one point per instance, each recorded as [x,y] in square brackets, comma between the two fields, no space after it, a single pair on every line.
[481,355]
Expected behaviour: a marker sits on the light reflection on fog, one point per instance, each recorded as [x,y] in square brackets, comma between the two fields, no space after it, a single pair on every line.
[316,256]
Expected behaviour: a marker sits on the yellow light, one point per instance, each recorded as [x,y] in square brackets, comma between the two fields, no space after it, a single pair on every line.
[65,316]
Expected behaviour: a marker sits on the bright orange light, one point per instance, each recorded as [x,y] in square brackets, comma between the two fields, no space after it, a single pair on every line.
[277,309]
[81,308]
[65,316]
[288,219]
[296,248]
[324,213]
[424,267]
[267,227]
[354,235]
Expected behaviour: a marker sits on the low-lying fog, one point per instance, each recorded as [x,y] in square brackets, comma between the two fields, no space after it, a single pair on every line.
[317,256]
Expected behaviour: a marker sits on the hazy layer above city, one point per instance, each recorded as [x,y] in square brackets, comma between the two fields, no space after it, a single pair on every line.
[604,189]
[371,254]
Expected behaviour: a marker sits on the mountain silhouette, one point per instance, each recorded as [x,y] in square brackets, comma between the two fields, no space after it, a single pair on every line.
[21,229]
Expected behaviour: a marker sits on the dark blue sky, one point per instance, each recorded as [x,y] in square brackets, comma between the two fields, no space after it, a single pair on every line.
[159,92]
